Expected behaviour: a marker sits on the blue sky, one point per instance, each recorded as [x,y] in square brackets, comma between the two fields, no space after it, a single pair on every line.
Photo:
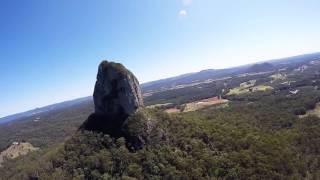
[50,50]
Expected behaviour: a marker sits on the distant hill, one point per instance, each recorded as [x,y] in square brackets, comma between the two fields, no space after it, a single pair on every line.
[260,67]
[46,128]
[296,59]
[219,73]
[263,132]
[52,107]
[188,78]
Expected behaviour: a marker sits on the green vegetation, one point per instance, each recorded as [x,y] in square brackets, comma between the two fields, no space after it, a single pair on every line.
[239,142]
[259,135]
[53,127]
[201,91]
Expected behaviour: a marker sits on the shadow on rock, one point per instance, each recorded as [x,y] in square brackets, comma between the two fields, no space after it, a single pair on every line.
[107,124]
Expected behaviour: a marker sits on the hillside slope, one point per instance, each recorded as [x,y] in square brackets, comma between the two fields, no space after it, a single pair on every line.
[47,128]
[50,108]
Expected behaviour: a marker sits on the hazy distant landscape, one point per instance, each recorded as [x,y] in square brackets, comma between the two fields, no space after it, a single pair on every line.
[267,111]
[160,90]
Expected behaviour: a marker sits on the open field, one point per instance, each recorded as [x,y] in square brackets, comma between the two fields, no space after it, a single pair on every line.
[203,103]
[159,105]
[237,90]
[248,87]
[278,76]
[193,106]
[243,88]
[173,110]
[261,88]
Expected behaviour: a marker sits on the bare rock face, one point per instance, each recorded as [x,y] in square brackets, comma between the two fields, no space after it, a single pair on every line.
[117,95]
[117,90]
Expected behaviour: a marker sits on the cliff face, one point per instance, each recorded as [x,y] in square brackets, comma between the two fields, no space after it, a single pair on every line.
[117,96]
[117,90]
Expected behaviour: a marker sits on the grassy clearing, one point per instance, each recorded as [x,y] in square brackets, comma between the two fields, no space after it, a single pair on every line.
[16,150]
[159,105]
[248,84]
[313,112]
[278,76]
[237,90]
[247,88]
[193,106]
[243,88]
[261,88]
[172,110]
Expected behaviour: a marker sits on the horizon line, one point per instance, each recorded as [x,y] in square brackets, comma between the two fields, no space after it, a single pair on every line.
[165,78]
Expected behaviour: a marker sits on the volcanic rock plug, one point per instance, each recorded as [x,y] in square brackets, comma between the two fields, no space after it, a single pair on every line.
[117,95]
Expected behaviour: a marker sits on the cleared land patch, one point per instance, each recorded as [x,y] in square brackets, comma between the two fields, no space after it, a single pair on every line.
[204,103]
[193,106]
[159,105]
[16,150]
[278,76]
[173,110]
[313,112]
[243,88]
[247,87]
[261,88]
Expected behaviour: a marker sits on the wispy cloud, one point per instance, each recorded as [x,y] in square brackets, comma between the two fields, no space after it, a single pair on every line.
[183,12]
[186,2]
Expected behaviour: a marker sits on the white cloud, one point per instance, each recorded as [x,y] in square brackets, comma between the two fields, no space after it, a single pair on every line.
[183,12]
[186,2]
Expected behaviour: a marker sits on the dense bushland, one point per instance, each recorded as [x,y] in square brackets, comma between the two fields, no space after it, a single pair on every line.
[257,136]
[234,143]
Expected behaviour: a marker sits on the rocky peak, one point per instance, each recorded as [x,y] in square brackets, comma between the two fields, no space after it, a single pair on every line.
[117,90]
[117,95]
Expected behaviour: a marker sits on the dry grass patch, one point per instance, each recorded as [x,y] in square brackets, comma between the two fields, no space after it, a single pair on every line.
[172,110]
[16,150]
[278,76]
[248,89]
[313,112]
[204,103]
[261,88]
[159,105]
[243,88]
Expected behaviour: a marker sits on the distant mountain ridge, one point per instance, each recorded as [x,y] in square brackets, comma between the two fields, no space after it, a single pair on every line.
[187,78]
[52,107]
[190,78]
[218,73]
[260,67]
